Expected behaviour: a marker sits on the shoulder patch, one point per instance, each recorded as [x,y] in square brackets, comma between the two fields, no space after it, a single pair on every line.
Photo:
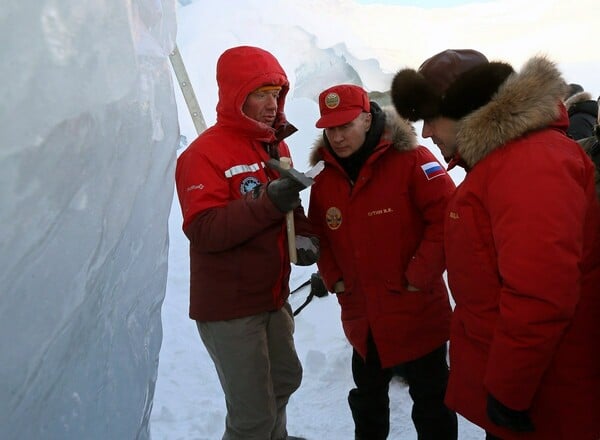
[433,170]
[248,184]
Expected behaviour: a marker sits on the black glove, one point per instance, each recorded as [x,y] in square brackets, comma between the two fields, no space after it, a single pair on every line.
[285,193]
[501,415]
[307,250]
[317,285]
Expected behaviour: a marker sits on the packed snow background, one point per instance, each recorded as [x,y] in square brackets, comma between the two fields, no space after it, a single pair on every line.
[318,43]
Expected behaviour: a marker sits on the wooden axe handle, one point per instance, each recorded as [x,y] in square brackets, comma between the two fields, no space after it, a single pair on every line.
[286,163]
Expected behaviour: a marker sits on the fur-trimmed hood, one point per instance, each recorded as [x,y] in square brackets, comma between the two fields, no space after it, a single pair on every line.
[582,102]
[526,101]
[397,131]
[577,98]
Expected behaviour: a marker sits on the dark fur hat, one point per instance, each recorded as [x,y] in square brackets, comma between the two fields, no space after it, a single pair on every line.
[414,97]
[452,83]
[474,89]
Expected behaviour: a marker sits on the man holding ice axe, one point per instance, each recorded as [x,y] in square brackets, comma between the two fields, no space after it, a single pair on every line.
[234,214]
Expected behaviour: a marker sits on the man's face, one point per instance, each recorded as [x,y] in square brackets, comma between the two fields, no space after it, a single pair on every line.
[442,132]
[348,138]
[262,106]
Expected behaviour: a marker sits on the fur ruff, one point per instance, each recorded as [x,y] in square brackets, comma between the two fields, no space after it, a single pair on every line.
[525,102]
[578,97]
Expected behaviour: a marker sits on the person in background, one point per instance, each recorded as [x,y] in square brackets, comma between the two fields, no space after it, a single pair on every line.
[591,145]
[522,242]
[378,208]
[234,212]
[583,112]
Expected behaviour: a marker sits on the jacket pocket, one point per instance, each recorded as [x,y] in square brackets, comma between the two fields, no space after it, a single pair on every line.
[396,286]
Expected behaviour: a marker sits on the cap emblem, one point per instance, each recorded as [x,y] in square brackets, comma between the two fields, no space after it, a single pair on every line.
[332,100]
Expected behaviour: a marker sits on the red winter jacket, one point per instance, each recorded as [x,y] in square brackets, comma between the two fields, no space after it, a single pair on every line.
[381,234]
[523,255]
[238,250]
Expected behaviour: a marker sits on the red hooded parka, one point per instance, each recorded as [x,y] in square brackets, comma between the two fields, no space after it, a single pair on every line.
[523,256]
[238,248]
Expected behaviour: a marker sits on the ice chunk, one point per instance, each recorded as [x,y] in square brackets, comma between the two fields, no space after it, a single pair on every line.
[89,134]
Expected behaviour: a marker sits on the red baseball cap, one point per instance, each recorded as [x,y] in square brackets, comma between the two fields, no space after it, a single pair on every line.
[342,104]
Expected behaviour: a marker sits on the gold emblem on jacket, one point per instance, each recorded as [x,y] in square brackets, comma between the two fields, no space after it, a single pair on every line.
[333,217]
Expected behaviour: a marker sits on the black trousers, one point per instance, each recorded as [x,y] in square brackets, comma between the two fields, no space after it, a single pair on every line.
[427,378]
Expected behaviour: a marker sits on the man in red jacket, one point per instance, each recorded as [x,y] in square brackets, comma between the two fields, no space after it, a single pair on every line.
[234,212]
[378,208]
[522,241]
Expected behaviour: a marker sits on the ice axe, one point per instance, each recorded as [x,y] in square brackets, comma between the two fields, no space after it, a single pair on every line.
[284,167]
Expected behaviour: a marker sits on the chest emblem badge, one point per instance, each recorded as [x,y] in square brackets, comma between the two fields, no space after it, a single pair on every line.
[333,217]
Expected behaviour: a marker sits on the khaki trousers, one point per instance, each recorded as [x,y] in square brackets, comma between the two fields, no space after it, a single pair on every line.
[258,368]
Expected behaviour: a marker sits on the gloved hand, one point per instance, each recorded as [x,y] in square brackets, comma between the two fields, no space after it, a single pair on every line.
[317,285]
[307,250]
[285,193]
[339,287]
[501,415]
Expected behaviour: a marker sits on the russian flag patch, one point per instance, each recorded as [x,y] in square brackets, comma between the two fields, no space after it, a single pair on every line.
[433,170]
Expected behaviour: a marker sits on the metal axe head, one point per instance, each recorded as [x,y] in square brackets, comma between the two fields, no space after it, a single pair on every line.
[291,173]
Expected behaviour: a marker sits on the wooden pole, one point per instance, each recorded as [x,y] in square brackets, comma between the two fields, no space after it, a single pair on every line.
[286,163]
[187,90]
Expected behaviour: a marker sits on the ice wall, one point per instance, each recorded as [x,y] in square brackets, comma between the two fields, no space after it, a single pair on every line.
[88,129]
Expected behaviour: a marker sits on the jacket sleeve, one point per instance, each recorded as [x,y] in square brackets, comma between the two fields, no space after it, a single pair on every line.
[301,223]
[537,208]
[431,189]
[212,221]
[328,268]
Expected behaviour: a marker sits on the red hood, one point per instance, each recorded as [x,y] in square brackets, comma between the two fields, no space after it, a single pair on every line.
[240,70]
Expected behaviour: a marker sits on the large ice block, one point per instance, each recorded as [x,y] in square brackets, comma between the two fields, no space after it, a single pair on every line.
[89,130]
